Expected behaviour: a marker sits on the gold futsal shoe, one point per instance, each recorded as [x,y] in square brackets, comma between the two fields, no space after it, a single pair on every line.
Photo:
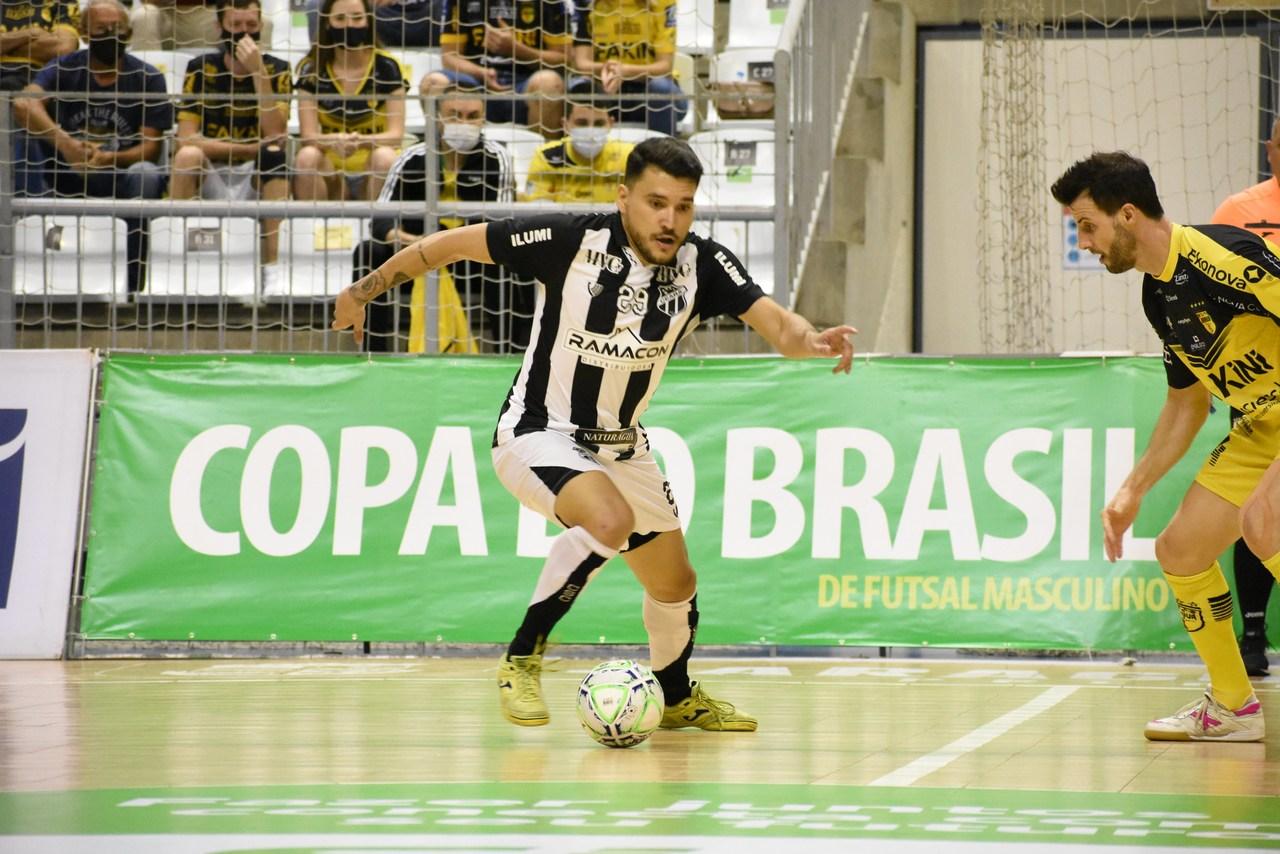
[699,710]
[1206,719]
[520,689]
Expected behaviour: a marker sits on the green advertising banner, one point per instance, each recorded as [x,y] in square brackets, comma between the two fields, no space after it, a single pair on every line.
[946,502]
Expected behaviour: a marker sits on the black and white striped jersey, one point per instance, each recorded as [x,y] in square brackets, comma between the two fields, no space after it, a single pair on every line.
[605,324]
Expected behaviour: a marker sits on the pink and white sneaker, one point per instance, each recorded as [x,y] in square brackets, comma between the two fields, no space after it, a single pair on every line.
[1208,720]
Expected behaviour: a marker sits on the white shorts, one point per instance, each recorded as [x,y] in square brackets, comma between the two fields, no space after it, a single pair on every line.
[230,183]
[536,466]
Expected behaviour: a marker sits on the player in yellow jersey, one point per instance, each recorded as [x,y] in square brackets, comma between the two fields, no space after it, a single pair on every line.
[1212,294]
[585,166]
[1258,210]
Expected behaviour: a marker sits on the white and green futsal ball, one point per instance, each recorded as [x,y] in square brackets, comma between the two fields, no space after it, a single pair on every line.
[620,703]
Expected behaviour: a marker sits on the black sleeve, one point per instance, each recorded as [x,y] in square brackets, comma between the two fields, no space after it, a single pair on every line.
[581,22]
[537,247]
[724,287]
[1176,371]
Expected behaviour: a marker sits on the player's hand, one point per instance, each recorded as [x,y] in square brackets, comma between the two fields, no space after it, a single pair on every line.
[492,81]
[835,342]
[1117,518]
[248,55]
[348,311]
[498,41]
[611,76]
[102,159]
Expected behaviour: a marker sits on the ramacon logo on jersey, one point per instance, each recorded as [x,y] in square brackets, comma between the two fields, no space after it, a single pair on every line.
[732,269]
[623,349]
[1214,272]
[12,451]
[533,235]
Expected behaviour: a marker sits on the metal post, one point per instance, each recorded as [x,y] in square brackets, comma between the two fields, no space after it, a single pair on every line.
[431,281]
[8,316]
[782,202]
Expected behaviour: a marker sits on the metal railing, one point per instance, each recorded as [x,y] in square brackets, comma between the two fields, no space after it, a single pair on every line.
[817,59]
[12,209]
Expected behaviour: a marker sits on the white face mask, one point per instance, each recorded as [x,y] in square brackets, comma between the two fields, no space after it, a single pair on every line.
[588,142]
[460,136]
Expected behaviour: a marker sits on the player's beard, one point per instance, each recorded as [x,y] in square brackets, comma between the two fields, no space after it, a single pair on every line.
[646,250]
[1123,253]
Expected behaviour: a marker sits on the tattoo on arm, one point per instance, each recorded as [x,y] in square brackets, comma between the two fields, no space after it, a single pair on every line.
[423,256]
[370,286]
[400,279]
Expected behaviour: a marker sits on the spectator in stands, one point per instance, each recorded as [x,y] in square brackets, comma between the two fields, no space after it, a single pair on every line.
[232,123]
[498,46]
[345,136]
[179,25]
[631,45]
[585,166]
[103,112]
[32,34]
[471,168]
[399,23]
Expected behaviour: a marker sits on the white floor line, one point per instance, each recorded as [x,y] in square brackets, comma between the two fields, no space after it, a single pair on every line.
[930,762]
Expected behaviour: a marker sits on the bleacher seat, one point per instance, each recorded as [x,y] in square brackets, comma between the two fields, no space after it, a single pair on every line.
[172,64]
[68,256]
[634,134]
[315,257]
[281,18]
[203,257]
[696,26]
[739,164]
[741,85]
[756,23]
[521,142]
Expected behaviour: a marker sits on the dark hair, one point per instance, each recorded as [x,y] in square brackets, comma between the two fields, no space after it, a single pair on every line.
[587,93]
[321,52]
[224,5]
[1112,179]
[671,155]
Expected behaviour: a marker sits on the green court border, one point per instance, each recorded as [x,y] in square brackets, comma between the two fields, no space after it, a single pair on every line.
[757,811]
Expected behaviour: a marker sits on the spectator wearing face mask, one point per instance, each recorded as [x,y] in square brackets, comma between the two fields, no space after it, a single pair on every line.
[586,165]
[353,125]
[471,169]
[233,121]
[101,114]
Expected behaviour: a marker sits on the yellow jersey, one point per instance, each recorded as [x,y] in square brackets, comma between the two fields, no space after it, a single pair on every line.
[557,173]
[635,32]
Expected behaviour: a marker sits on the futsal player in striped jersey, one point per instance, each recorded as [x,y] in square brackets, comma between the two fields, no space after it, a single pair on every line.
[1212,295]
[616,293]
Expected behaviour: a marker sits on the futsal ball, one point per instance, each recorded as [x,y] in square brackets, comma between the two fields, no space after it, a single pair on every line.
[620,703]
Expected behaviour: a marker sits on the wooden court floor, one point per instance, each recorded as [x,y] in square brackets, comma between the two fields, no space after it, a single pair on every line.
[400,755]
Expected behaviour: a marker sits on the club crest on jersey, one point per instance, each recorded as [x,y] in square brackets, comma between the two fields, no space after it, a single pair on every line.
[672,299]
[1206,320]
[595,289]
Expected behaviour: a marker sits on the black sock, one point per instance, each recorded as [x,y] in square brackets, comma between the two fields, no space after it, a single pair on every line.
[674,678]
[1253,588]
[542,616]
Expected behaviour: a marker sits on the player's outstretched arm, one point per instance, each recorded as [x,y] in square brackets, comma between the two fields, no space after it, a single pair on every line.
[430,253]
[1183,414]
[794,337]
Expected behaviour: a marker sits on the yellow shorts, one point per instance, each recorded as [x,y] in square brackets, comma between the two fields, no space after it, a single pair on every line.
[354,162]
[1238,463]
